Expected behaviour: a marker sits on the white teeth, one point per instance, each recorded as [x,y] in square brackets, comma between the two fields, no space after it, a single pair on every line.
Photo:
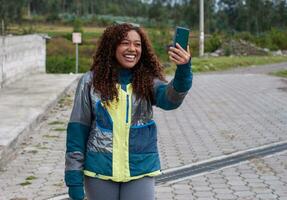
[130,56]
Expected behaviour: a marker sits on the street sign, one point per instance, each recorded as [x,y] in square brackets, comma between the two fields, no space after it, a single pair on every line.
[77,38]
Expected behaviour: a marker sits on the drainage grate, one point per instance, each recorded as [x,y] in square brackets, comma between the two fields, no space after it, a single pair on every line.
[183,172]
[175,175]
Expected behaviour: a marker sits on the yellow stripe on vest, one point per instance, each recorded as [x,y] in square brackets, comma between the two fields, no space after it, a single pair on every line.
[120,113]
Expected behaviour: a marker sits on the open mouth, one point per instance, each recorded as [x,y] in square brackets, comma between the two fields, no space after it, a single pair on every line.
[130,57]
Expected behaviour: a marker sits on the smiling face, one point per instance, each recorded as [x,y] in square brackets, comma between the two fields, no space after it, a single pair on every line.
[129,50]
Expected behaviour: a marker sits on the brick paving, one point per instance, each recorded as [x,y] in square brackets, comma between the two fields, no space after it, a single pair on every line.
[224,113]
[260,178]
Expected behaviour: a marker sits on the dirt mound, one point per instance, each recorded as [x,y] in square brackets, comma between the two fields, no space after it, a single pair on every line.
[239,48]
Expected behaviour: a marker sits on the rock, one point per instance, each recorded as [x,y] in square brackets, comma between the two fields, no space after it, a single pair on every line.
[266,50]
[214,54]
[277,53]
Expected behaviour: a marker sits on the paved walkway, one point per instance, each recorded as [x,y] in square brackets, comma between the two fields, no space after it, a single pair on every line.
[223,114]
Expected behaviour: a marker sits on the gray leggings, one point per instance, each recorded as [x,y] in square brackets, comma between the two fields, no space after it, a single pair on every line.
[141,189]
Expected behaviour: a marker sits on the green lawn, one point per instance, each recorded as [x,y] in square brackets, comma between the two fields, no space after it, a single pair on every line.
[224,63]
[282,73]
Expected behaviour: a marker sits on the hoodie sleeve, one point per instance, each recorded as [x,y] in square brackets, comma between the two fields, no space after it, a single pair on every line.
[77,133]
[170,96]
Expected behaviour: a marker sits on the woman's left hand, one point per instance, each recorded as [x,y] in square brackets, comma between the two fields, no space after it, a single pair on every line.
[178,55]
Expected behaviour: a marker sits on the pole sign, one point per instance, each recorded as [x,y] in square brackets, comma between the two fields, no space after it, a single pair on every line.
[77,39]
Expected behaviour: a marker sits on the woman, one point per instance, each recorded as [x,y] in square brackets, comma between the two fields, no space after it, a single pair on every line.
[111,136]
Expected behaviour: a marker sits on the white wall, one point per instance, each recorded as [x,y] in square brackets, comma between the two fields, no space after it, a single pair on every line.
[20,56]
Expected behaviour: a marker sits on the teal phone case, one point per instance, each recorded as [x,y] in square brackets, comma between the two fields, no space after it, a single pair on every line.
[181,37]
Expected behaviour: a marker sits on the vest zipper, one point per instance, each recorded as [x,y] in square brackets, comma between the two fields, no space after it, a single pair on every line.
[127,109]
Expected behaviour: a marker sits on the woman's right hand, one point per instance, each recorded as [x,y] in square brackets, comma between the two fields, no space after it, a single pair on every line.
[178,55]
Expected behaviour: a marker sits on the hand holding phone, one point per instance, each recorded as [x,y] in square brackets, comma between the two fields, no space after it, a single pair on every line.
[181,37]
[179,53]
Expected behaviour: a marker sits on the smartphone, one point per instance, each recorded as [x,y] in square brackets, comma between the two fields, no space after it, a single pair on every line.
[181,37]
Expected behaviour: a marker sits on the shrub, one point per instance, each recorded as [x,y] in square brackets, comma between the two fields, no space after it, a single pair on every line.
[28,30]
[60,64]
[87,50]
[273,40]
[66,64]
[212,43]
[102,22]
[265,41]
[53,18]
[78,25]
[247,36]
[68,36]
[160,39]
[60,46]
[194,46]
[227,50]
[279,38]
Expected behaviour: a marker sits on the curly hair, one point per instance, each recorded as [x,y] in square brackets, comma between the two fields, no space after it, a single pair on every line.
[104,67]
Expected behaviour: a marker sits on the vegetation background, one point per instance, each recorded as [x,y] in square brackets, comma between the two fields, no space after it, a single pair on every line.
[259,22]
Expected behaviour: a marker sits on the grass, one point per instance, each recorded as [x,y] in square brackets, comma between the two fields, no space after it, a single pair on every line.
[55,123]
[282,73]
[29,178]
[59,129]
[25,183]
[225,63]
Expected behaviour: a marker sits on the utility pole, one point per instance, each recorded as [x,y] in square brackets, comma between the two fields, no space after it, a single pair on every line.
[2,49]
[29,9]
[2,27]
[201,28]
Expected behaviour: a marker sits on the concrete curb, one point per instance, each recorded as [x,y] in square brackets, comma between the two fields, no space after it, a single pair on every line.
[9,152]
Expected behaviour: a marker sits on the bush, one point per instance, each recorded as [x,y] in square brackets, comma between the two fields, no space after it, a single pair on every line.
[68,36]
[87,50]
[60,46]
[279,38]
[160,39]
[28,30]
[247,36]
[265,41]
[194,46]
[78,25]
[227,50]
[212,43]
[66,64]
[60,64]
[274,39]
[53,18]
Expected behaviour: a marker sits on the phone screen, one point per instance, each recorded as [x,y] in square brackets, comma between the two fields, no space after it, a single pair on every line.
[181,37]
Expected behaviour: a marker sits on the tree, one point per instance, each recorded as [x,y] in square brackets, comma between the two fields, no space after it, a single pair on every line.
[157,11]
[11,10]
